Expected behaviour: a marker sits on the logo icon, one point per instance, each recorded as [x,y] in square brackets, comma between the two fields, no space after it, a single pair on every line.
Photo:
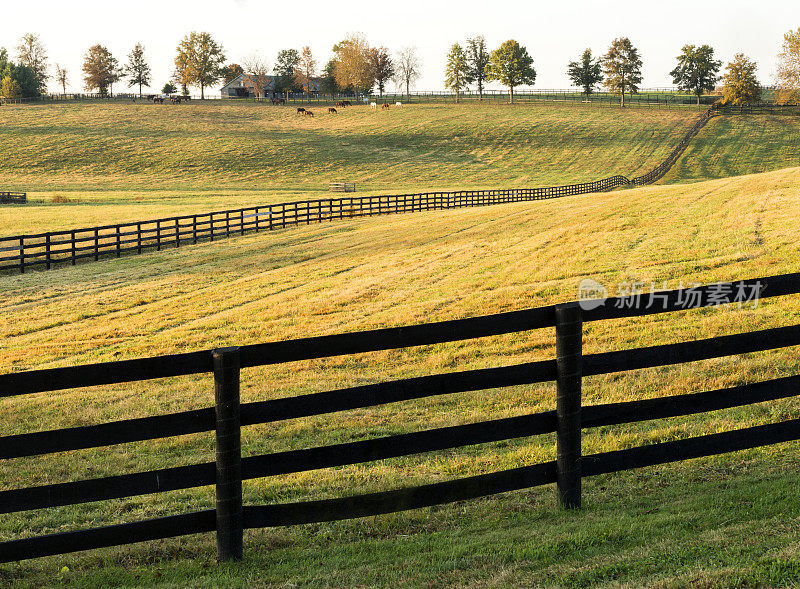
[591,294]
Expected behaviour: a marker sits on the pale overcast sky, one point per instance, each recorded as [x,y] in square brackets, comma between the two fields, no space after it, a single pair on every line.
[554,31]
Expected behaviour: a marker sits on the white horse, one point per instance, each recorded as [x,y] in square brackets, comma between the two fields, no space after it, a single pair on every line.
[373,105]
[398,104]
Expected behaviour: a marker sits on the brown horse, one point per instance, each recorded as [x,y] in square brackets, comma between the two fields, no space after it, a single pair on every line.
[385,105]
[331,110]
[278,101]
[308,113]
[300,110]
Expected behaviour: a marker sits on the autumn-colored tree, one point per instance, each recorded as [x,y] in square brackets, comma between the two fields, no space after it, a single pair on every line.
[697,70]
[10,88]
[137,70]
[477,62]
[31,53]
[622,67]
[740,85]
[230,72]
[789,69]
[457,70]
[100,69]
[306,70]
[511,65]
[352,64]
[258,68]
[382,67]
[199,60]
[61,77]
[585,73]
[408,68]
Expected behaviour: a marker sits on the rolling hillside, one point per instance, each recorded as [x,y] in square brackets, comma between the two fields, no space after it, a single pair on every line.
[693,522]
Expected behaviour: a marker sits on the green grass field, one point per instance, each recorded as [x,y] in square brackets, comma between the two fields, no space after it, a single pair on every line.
[727,521]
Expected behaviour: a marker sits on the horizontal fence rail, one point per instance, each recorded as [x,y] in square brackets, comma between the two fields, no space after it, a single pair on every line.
[68,247]
[13,198]
[227,417]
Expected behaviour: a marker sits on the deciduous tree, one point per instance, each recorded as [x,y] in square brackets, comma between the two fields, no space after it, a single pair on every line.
[382,67]
[199,60]
[477,62]
[100,69]
[306,70]
[230,72]
[789,69]
[352,64]
[258,68]
[285,70]
[31,53]
[329,85]
[169,88]
[697,70]
[511,65]
[622,67]
[61,77]
[409,68]
[740,85]
[456,72]
[137,70]
[585,73]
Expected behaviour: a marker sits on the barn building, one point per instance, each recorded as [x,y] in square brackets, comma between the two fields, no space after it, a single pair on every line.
[249,86]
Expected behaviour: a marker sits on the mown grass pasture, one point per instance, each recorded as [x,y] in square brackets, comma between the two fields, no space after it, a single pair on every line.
[710,522]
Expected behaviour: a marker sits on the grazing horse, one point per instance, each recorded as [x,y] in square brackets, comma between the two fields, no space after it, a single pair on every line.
[308,113]
[385,105]
[331,110]
[300,110]
[373,105]
[398,104]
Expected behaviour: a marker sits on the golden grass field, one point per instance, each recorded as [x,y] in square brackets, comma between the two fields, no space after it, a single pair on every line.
[732,520]
[396,270]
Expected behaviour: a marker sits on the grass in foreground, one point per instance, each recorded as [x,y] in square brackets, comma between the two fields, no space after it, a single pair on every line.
[716,522]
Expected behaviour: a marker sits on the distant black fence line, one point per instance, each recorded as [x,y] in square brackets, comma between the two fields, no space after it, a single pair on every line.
[46,250]
[13,198]
[228,415]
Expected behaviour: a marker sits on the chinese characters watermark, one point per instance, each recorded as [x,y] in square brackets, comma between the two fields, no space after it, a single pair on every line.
[663,295]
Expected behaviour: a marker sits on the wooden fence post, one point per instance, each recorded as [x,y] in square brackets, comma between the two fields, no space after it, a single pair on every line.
[569,331]
[229,454]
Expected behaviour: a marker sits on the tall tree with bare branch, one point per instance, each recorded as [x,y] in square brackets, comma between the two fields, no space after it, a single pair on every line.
[408,68]
[306,70]
[258,68]
[61,77]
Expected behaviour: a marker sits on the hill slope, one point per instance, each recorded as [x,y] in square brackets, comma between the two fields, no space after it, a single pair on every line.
[737,145]
[693,521]
[141,147]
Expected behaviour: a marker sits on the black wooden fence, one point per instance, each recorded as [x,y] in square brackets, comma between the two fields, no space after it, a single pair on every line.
[13,198]
[568,419]
[45,250]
